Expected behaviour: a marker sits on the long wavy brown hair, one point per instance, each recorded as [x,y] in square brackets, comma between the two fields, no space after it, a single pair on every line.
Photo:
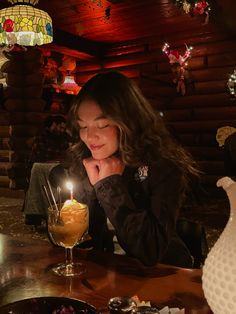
[143,135]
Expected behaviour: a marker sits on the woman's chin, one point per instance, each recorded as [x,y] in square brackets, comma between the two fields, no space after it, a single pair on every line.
[100,156]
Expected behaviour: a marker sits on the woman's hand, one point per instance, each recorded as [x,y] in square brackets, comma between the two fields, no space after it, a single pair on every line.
[100,169]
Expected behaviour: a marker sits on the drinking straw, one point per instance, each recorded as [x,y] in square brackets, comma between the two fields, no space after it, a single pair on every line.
[52,195]
[47,196]
[59,197]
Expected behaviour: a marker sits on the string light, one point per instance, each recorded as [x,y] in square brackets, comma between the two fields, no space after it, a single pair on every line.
[231,84]
[174,55]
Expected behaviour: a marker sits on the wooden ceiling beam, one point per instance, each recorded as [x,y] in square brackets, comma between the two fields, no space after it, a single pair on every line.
[80,44]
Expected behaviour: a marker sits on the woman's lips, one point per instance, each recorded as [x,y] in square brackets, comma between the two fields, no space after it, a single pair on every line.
[95,147]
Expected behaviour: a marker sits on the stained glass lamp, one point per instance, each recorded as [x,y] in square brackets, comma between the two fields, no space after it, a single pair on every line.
[25,25]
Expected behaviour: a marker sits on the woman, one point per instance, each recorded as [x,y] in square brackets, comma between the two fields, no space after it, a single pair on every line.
[129,171]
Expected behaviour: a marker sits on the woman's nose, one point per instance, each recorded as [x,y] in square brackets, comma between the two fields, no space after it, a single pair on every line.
[91,133]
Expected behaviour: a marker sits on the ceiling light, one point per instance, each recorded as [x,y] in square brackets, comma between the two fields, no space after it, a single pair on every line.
[25,25]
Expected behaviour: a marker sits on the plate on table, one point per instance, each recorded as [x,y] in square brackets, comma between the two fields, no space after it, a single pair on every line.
[48,305]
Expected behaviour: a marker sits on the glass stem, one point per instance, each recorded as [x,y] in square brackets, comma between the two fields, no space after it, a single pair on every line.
[69,260]
[69,256]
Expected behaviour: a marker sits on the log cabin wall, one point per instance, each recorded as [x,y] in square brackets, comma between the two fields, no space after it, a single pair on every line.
[193,119]
[21,115]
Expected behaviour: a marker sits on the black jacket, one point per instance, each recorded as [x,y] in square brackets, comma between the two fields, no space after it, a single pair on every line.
[143,206]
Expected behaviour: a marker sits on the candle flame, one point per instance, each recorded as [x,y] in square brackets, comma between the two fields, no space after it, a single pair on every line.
[69,185]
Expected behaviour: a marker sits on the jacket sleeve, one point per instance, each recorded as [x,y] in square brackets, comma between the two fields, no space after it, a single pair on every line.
[143,233]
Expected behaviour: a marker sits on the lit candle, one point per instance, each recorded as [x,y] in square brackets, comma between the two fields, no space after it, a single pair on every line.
[69,186]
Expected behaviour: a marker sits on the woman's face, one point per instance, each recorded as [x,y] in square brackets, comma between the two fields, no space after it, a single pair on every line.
[98,133]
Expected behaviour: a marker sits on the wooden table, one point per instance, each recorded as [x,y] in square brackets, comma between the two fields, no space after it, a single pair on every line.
[24,274]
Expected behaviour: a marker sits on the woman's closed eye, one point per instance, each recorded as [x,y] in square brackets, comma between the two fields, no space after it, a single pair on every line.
[103,126]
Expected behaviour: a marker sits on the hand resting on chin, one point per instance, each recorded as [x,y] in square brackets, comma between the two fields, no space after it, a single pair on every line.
[100,169]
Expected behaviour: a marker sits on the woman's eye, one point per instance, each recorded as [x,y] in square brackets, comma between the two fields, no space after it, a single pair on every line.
[82,127]
[103,126]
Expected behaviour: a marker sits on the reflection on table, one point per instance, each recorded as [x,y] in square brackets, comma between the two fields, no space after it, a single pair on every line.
[24,273]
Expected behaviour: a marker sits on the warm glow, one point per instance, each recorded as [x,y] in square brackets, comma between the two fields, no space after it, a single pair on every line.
[69,86]
[69,186]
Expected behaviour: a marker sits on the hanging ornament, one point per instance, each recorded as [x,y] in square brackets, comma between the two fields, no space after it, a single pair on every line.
[178,65]
[186,7]
[195,7]
[202,7]
[231,84]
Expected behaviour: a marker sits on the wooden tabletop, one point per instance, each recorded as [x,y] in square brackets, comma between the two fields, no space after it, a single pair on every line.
[24,273]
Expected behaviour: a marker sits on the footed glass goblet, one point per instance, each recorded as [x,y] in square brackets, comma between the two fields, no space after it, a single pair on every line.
[66,227]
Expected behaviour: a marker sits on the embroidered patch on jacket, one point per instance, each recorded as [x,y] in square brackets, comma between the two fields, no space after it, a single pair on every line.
[142,173]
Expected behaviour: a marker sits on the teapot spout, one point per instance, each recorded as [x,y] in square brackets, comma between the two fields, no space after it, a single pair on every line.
[225,182]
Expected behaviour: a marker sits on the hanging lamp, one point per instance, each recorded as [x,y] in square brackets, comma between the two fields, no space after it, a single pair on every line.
[25,25]
[69,86]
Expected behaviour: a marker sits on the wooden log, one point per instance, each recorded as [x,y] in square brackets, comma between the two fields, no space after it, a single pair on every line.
[89,67]
[28,67]
[200,126]
[4,181]
[158,103]
[5,155]
[33,104]
[130,59]
[23,92]
[18,118]
[23,130]
[216,47]
[4,131]
[177,115]
[17,171]
[7,192]
[210,180]
[20,156]
[4,118]
[4,167]
[224,59]
[215,113]
[17,143]
[198,139]
[31,54]
[18,183]
[210,87]
[214,167]
[159,91]
[208,139]
[36,118]
[35,79]
[125,49]
[202,75]
[4,143]
[210,74]
[147,68]
[198,101]
[193,64]
[204,153]
[201,38]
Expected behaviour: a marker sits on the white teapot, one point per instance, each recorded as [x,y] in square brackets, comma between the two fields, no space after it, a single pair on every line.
[219,269]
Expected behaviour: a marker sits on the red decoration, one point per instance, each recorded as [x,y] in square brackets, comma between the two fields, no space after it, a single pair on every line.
[200,7]
[178,64]
[8,25]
